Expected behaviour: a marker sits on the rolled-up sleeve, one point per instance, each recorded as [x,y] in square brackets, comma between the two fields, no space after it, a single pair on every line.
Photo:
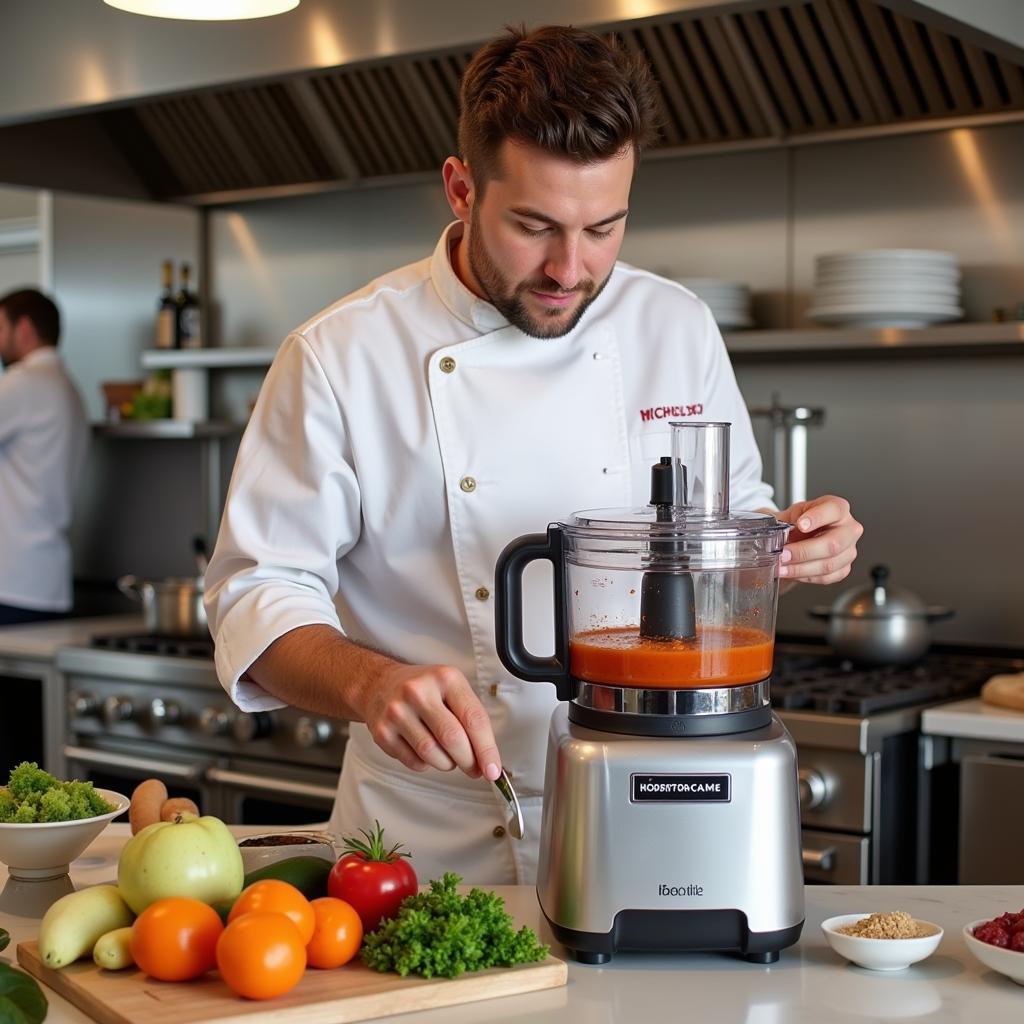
[292,512]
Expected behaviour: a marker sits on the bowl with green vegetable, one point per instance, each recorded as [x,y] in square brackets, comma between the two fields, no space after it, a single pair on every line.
[46,823]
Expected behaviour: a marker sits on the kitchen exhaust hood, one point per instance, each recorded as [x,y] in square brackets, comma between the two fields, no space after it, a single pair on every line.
[731,75]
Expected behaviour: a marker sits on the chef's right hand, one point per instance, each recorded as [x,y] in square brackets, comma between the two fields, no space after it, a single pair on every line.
[427,716]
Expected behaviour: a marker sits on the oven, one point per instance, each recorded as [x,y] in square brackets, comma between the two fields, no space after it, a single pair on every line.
[143,707]
[872,811]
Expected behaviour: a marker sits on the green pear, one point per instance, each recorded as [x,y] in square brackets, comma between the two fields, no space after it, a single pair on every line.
[189,856]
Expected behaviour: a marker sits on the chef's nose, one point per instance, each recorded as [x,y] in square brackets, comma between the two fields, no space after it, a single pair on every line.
[563,264]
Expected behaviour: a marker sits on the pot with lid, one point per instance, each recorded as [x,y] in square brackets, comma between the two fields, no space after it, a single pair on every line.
[880,624]
[665,614]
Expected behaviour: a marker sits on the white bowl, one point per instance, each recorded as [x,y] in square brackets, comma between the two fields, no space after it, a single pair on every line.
[45,849]
[1005,961]
[255,857]
[880,954]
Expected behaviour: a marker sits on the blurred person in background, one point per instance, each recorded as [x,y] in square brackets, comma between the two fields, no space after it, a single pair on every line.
[44,437]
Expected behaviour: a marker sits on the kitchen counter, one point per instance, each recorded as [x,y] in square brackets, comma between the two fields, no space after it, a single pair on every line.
[974,719]
[809,984]
[40,641]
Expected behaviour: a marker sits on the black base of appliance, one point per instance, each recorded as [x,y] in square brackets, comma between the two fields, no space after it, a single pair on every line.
[670,725]
[677,931]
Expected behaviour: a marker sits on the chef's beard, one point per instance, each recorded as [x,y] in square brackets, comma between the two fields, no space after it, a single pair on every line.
[508,300]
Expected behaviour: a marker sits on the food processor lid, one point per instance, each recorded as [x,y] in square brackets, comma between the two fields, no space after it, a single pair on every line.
[681,523]
[880,600]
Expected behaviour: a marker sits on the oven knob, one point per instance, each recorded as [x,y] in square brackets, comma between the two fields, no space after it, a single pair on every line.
[117,709]
[164,712]
[82,704]
[311,732]
[214,721]
[255,725]
[814,789]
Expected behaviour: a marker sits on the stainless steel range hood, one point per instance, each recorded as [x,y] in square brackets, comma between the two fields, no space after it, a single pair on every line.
[731,75]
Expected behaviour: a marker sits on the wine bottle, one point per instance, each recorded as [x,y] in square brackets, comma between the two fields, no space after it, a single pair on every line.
[188,334]
[167,310]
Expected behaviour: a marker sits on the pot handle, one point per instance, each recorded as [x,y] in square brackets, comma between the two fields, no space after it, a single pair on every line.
[130,586]
[935,612]
[820,612]
[508,611]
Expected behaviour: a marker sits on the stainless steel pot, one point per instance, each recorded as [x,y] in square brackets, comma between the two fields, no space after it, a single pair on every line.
[171,607]
[880,624]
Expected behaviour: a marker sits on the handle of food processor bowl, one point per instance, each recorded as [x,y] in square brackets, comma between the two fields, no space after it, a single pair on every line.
[508,611]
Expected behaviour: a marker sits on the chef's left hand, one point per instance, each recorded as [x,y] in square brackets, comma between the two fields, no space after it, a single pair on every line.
[823,542]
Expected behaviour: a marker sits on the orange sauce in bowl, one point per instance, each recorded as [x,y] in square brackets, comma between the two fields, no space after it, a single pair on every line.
[717,656]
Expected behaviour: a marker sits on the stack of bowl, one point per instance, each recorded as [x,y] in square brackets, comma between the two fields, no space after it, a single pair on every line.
[729,301]
[886,288]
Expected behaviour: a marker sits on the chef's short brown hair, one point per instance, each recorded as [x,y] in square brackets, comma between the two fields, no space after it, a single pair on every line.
[564,90]
[37,308]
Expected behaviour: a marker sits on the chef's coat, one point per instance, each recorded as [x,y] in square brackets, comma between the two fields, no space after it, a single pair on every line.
[44,436]
[402,438]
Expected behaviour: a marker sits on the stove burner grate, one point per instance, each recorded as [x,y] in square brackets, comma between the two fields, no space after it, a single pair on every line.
[802,682]
[147,643]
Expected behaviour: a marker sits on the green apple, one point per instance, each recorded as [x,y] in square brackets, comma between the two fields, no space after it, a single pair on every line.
[190,856]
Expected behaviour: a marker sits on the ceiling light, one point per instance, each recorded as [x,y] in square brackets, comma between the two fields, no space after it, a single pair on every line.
[205,10]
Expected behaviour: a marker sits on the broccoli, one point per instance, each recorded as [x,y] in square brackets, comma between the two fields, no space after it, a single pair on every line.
[35,795]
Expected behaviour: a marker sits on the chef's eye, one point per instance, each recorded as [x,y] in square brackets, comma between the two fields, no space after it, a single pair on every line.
[533,232]
[594,233]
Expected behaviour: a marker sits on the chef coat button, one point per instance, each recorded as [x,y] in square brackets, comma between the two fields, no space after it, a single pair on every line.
[493,690]
[482,593]
[599,355]
[468,484]
[447,364]
[499,832]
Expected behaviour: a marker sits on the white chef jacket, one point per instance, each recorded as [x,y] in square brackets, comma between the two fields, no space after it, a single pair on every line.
[402,438]
[44,437]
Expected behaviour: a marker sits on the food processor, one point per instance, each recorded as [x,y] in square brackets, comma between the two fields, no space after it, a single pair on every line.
[671,815]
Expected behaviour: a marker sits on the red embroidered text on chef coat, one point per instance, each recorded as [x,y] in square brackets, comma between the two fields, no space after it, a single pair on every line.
[671,412]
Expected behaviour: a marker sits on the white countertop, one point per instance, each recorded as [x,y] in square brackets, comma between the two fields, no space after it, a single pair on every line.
[809,984]
[974,719]
[40,641]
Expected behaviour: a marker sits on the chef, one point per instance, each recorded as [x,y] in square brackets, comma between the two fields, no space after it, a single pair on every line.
[407,433]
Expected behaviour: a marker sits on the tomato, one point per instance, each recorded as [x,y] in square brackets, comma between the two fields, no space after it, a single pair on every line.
[175,939]
[276,897]
[261,955]
[372,878]
[338,933]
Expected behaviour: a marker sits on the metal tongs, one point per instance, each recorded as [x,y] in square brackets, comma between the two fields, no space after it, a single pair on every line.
[503,784]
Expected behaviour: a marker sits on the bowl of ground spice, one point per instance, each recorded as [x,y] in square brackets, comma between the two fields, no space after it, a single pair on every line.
[882,942]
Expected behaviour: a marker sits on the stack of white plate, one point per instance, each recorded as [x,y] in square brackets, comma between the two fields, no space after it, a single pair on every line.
[729,300]
[886,288]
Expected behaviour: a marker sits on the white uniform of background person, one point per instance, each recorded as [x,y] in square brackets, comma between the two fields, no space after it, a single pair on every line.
[44,436]
[402,438]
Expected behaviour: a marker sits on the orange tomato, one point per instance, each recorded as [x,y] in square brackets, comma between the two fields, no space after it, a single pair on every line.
[261,955]
[276,897]
[175,939]
[337,935]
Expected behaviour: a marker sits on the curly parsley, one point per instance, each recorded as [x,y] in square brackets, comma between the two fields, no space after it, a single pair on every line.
[32,795]
[442,933]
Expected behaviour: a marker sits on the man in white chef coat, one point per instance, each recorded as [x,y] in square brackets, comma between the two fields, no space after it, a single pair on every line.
[44,436]
[406,434]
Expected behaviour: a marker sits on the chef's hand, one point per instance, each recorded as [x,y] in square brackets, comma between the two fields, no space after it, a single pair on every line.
[822,545]
[429,717]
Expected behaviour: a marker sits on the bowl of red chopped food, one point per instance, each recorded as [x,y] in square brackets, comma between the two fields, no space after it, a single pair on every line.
[998,943]
[46,823]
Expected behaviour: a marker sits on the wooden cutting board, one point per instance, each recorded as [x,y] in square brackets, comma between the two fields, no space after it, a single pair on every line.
[349,993]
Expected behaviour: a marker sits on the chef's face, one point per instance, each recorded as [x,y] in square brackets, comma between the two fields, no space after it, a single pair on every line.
[543,238]
[7,352]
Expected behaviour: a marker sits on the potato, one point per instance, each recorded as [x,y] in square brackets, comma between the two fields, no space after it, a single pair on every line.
[147,800]
[176,806]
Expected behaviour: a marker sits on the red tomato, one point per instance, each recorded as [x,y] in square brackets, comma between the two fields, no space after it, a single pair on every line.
[373,879]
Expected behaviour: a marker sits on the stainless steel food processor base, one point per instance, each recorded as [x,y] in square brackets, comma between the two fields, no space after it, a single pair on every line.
[675,844]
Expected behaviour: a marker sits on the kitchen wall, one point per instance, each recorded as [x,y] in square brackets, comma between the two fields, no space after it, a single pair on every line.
[20,256]
[925,449]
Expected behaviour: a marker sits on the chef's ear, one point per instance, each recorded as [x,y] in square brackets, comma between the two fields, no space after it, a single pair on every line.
[458,187]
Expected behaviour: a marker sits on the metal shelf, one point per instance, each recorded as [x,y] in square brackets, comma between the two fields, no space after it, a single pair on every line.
[206,358]
[952,340]
[167,430]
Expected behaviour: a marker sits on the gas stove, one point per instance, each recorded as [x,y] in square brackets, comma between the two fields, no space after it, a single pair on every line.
[148,643]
